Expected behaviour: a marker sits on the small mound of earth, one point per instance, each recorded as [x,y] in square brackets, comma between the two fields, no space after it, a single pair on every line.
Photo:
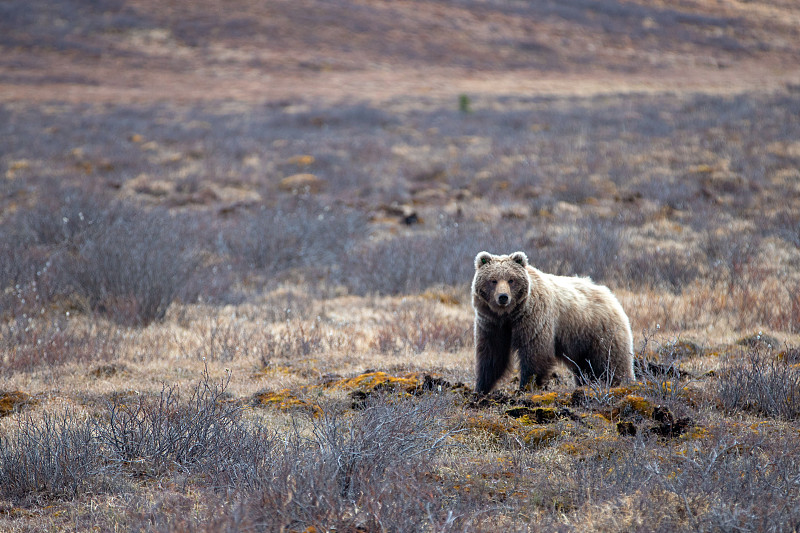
[107,371]
[759,340]
[12,401]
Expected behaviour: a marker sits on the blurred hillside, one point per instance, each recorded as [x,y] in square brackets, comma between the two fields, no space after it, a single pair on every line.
[375,50]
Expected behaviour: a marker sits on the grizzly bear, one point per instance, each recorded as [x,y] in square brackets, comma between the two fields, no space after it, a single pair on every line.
[545,319]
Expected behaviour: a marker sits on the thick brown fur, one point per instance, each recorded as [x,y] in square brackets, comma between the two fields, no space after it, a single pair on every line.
[544,319]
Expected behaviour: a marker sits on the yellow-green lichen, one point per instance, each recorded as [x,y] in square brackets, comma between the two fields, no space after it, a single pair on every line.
[547,398]
[369,381]
[286,401]
[635,404]
[540,436]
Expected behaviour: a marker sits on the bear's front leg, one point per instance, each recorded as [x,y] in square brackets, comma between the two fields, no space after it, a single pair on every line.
[536,359]
[492,356]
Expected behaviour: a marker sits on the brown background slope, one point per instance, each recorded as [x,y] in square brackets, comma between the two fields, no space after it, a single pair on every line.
[143,50]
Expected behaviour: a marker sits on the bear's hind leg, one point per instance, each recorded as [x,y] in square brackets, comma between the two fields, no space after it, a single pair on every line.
[541,379]
[597,370]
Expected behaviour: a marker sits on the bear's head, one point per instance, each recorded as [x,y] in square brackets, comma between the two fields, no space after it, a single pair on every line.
[501,282]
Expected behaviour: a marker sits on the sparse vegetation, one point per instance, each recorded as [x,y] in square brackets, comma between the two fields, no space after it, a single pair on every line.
[235,255]
[762,381]
[49,457]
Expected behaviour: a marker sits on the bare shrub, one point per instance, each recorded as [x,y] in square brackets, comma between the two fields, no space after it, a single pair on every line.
[131,265]
[732,252]
[596,384]
[760,382]
[61,216]
[150,436]
[18,267]
[346,471]
[752,284]
[660,374]
[52,456]
[32,237]
[24,29]
[63,455]
[298,233]
[415,262]
[735,484]
[729,483]
[367,470]
[373,470]
[127,263]
[370,470]
[591,249]
[668,269]
[391,433]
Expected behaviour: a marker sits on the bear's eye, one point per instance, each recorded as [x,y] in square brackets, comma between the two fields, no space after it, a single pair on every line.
[493,282]
[511,282]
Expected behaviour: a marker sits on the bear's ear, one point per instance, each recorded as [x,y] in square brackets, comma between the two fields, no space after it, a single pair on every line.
[483,258]
[520,258]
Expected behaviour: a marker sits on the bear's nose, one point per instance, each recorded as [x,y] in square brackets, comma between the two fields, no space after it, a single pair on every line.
[502,299]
